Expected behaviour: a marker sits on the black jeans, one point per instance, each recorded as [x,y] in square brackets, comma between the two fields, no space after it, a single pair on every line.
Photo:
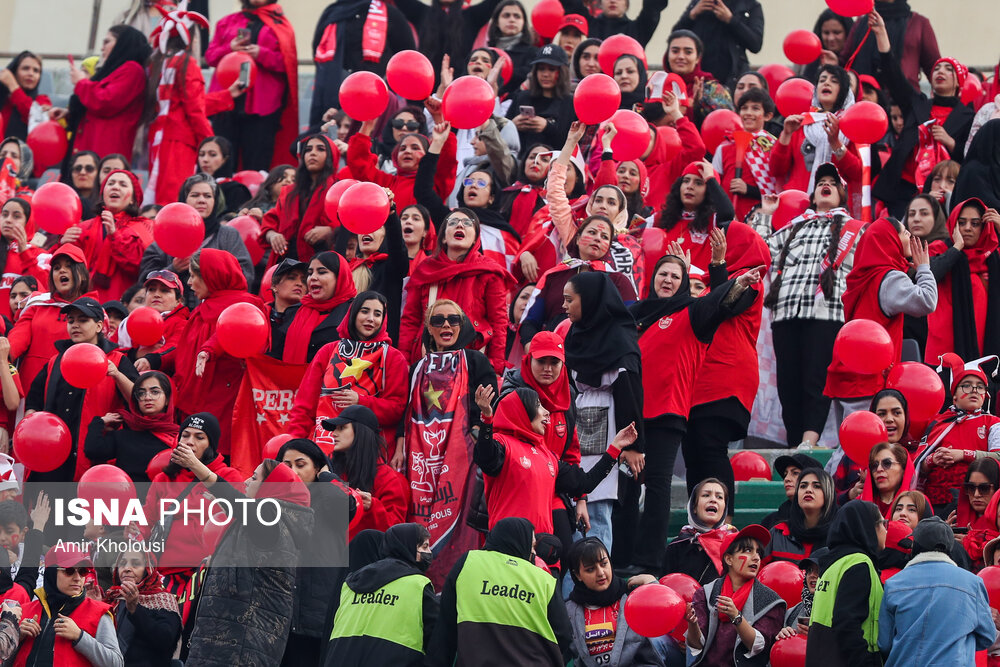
[252,137]
[663,440]
[802,352]
[706,453]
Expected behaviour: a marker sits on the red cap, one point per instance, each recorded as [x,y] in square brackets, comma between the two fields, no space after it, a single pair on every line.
[574,21]
[694,169]
[167,278]
[67,554]
[75,253]
[870,80]
[757,532]
[547,344]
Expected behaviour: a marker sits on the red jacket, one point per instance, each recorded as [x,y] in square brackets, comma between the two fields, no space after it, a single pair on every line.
[284,219]
[182,114]
[362,164]
[20,102]
[390,500]
[114,110]
[87,616]
[663,172]
[787,166]
[116,257]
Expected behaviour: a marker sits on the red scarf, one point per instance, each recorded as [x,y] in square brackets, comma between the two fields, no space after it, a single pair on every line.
[374,31]
[511,420]
[739,597]
[985,246]
[312,312]
[152,594]
[438,268]
[162,424]
[711,542]
[879,252]
[368,261]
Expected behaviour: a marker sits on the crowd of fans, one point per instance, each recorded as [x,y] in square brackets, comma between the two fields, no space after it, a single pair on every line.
[497,381]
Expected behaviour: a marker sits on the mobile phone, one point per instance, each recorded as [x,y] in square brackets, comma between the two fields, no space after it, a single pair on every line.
[527,110]
[625,469]
[803,620]
[243,34]
[244,78]
[960,530]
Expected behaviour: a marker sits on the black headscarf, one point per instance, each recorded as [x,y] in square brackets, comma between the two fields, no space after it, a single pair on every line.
[606,335]
[797,518]
[980,173]
[637,96]
[652,308]
[511,536]
[578,53]
[43,649]
[398,559]
[365,549]
[356,304]
[852,532]
[582,595]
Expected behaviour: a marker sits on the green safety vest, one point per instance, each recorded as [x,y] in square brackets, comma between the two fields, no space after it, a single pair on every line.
[504,590]
[394,613]
[826,596]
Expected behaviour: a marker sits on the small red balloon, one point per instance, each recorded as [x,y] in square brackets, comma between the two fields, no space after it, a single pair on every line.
[242,330]
[802,47]
[271,447]
[991,577]
[851,7]
[546,17]
[748,465]
[684,585]
[922,387]
[864,347]
[468,102]
[363,95]
[249,230]
[84,365]
[775,75]
[859,432]
[791,204]
[363,208]
[145,326]
[785,579]
[56,207]
[107,483]
[864,123]
[48,145]
[972,89]
[410,75]
[331,202]
[794,96]
[158,463]
[178,229]
[717,126]
[251,179]
[653,610]
[596,98]
[632,138]
[228,69]
[615,47]
[789,652]
[42,442]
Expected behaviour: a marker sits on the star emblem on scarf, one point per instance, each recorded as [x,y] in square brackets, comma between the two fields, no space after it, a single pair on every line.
[433,396]
[355,369]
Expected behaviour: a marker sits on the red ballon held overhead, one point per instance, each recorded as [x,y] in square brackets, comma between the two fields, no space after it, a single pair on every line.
[632,138]
[84,365]
[363,208]
[922,387]
[653,610]
[748,465]
[546,17]
[615,47]
[410,75]
[48,145]
[776,74]
[42,442]
[851,7]
[717,126]
[864,347]
[859,432]
[596,98]
[145,326]
[468,102]
[228,69]
[864,123]
[56,207]
[794,96]
[802,46]
[363,95]
[242,330]
[178,229]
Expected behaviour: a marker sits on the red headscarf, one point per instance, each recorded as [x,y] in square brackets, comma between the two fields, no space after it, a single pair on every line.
[987,243]
[163,424]
[512,420]
[152,594]
[879,251]
[311,311]
[745,250]
[439,268]
[905,484]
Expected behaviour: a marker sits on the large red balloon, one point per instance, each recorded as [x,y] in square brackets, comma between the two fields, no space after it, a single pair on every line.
[922,387]
[251,179]
[546,17]
[363,95]
[748,465]
[615,47]
[785,579]
[84,365]
[332,200]
[178,229]
[632,137]
[42,442]
[468,102]
[864,347]
[684,585]
[242,330]
[670,141]
[991,577]
[717,125]
[851,7]
[653,610]
[363,208]
[596,98]
[249,230]
[859,432]
[802,47]
[48,145]
[228,69]
[971,89]
[144,326]
[108,483]
[789,652]
[56,207]
[776,74]
[791,204]
[272,446]
[794,96]
[410,75]
[158,463]
[864,123]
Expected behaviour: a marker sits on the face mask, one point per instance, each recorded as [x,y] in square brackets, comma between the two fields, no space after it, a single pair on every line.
[424,560]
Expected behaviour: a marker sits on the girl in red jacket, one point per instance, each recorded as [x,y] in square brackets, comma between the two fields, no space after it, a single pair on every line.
[20,78]
[17,256]
[458,271]
[165,295]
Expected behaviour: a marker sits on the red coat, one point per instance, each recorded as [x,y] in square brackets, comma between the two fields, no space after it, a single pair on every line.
[390,500]
[87,616]
[114,110]
[20,102]
[116,257]
[662,171]
[362,164]
[284,219]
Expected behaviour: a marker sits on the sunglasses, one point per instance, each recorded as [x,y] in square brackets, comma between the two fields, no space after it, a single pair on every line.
[438,321]
[478,182]
[985,489]
[885,464]
[81,168]
[72,571]
[411,125]
[168,276]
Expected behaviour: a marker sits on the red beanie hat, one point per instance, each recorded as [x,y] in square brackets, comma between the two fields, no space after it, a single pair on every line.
[982,368]
[961,71]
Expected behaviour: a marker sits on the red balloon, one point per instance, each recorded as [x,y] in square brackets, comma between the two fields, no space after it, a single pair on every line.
[108,483]
[48,145]
[653,610]
[596,98]
[363,208]
[144,326]
[546,17]
[506,65]
[802,47]
[228,69]
[410,75]
[468,102]
[363,96]
[178,229]
[864,347]
[748,465]
[789,652]
[671,142]
[265,285]
[922,387]
[794,96]
[859,432]
[632,139]
[56,207]
[158,463]
[791,204]
[991,577]
[616,46]
[776,74]
[242,330]
[864,123]
[785,579]
[717,125]
[84,365]
[332,200]
[682,584]
[251,179]
[851,7]
[42,442]
[249,230]
[971,89]
[271,447]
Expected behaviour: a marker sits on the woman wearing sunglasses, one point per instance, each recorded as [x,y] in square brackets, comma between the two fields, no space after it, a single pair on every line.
[890,473]
[408,120]
[977,508]
[83,179]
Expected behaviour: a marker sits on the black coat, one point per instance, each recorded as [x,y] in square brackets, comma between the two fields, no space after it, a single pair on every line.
[325,332]
[726,44]
[131,450]
[474,17]
[685,555]
[154,634]
[557,110]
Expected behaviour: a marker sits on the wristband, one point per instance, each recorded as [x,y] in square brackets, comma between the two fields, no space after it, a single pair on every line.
[613,451]
[969,455]
[485,419]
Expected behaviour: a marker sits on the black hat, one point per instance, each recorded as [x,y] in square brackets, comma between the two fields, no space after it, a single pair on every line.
[932,534]
[550,54]
[88,306]
[813,558]
[829,169]
[285,267]
[205,421]
[353,414]
[800,461]
[116,307]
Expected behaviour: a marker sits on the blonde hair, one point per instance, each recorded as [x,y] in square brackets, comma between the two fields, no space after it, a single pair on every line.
[362,278]
[441,302]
